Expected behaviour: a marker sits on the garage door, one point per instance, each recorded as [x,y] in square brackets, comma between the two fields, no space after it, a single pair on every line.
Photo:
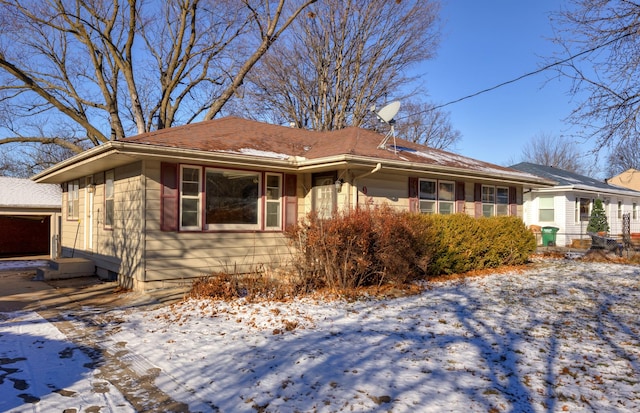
[24,235]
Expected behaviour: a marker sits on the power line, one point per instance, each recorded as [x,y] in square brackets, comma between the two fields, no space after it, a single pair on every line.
[535,72]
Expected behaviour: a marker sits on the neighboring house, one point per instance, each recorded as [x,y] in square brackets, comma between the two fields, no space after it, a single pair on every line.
[161,208]
[568,204]
[628,179]
[29,217]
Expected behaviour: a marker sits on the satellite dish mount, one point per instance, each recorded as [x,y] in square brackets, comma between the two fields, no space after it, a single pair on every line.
[386,115]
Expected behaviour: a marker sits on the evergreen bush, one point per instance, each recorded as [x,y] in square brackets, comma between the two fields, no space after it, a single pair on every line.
[598,218]
[466,243]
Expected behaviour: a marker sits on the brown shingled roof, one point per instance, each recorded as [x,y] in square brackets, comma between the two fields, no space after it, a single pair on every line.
[232,134]
[233,139]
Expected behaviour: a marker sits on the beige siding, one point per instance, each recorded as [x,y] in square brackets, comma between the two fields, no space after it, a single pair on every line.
[391,190]
[144,257]
[175,258]
[116,250]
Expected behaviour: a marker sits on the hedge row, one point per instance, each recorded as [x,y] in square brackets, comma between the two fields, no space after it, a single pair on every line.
[379,245]
[465,243]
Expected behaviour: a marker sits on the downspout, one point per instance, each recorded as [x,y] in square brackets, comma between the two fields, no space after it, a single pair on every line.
[355,182]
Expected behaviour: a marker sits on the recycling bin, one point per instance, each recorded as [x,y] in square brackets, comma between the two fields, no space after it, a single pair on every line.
[549,236]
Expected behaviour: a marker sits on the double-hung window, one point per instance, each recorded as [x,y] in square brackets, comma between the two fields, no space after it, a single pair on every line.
[634,211]
[446,196]
[488,200]
[546,209]
[73,199]
[437,197]
[428,194]
[620,211]
[273,200]
[190,193]
[109,204]
[502,201]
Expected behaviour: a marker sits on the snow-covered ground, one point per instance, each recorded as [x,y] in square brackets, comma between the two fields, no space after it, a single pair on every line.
[562,336]
[17,264]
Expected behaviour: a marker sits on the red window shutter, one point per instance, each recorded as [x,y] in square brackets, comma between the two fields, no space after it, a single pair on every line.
[414,203]
[169,197]
[459,196]
[290,200]
[477,198]
[513,205]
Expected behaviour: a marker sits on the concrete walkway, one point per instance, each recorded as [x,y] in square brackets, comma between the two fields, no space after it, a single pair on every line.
[19,291]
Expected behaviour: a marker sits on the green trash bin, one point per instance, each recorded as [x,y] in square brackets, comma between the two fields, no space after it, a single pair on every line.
[549,236]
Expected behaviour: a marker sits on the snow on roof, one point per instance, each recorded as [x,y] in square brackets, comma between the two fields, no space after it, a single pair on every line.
[258,152]
[21,192]
[441,157]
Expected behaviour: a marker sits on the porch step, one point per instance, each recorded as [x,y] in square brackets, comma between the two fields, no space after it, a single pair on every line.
[62,268]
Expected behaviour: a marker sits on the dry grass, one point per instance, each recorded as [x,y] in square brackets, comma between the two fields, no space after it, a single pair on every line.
[285,286]
[257,287]
[253,287]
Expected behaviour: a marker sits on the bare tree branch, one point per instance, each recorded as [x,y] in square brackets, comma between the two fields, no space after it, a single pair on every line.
[269,34]
[118,67]
[341,58]
[605,38]
[62,142]
[559,152]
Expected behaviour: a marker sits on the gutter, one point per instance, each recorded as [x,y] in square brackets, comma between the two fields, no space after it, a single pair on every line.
[119,152]
[592,190]
[355,182]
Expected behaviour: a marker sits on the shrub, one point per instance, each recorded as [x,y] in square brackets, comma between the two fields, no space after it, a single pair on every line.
[363,247]
[376,246]
[254,286]
[466,243]
[598,218]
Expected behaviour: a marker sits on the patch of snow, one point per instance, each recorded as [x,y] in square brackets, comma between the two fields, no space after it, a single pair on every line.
[260,153]
[445,157]
[42,370]
[21,192]
[10,265]
[561,336]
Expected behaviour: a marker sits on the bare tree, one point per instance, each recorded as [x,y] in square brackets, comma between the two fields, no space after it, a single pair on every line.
[623,157]
[427,125]
[603,39]
[110,68]
[559,152]
[344,56]
[26,159]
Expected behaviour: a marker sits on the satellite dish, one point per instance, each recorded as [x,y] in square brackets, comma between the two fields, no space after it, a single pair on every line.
[386,115]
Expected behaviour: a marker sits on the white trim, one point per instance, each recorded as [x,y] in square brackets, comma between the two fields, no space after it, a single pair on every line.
[197,197]
[258,200]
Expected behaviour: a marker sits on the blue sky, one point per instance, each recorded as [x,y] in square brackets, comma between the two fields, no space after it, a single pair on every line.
[486,43]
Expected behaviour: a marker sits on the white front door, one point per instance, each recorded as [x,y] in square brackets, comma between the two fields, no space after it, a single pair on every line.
[324,196]
[89,192]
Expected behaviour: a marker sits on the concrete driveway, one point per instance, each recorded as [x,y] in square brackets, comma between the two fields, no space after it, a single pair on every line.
[20,291]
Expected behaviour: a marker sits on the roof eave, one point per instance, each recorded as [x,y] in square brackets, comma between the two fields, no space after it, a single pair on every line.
[519,178]
[118,153]
[591,190]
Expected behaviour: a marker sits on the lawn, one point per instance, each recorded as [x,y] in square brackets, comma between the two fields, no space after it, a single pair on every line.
[563,335]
